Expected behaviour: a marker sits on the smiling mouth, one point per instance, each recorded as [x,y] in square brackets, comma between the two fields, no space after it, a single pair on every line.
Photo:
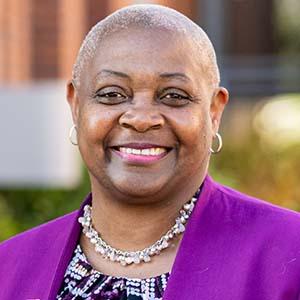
[141,154]
[144,152]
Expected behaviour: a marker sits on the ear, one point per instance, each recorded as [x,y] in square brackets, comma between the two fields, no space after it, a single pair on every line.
[218,103]
[72,98]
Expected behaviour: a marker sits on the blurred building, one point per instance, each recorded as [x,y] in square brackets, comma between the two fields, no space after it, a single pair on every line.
[39,40]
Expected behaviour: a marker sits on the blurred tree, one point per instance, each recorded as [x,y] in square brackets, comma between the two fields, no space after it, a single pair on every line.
[267,173]
[287,16]
[23,209]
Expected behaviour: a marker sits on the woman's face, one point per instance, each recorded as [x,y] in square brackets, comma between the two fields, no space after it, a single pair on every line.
[145,114]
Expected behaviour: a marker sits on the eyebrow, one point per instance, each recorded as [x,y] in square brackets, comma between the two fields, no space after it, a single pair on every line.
[176,75]
[106,72]
[179,76]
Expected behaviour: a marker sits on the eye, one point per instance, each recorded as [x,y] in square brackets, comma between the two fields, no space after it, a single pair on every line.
[174,97]
[111,95]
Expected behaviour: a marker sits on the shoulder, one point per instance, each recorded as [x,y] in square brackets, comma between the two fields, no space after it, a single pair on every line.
[41,235]
[255,213]
[33,258]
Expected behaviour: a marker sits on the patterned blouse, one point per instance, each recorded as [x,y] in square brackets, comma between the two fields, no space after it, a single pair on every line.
[81,281]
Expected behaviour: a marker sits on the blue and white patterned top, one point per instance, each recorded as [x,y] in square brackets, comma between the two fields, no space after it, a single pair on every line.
[81,281]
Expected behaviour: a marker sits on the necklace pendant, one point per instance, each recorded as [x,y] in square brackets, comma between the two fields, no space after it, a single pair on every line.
[129,260]
[136,259]
[99,249]
[112,256]
[164,244]
[123,262]
[181,228]
[146,258]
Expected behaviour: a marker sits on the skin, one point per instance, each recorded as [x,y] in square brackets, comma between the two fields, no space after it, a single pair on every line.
[129,96]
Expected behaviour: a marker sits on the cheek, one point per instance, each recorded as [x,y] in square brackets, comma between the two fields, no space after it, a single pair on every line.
[95,124]
[196,146]
[194,135]
[193,129]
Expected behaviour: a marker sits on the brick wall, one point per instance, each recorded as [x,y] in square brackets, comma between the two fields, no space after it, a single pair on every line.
[73,19]
[44,39]
[186,7]
[40,39]
[15,40]
[250,28]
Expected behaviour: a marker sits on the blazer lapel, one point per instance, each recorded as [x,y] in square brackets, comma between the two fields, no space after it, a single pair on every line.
[65,252]
[187,271]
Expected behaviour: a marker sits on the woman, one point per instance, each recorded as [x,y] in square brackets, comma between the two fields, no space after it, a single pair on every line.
[146,105]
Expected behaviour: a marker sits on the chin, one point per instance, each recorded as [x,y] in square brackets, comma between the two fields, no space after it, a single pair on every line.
[141,189]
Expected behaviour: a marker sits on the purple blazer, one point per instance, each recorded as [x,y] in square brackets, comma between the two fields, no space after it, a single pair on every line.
[234,248]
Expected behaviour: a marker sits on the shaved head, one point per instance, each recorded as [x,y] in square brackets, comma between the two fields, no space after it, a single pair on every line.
[148,16]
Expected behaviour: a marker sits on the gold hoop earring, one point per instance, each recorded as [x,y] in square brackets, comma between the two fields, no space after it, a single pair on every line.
[72,130]
[220,144]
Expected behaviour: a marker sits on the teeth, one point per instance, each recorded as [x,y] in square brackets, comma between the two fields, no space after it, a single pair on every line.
[145,152]
[149,151]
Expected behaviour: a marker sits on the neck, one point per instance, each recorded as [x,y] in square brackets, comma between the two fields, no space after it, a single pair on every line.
[132,227]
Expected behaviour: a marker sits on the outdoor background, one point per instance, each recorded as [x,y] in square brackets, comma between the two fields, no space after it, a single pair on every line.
[258,46]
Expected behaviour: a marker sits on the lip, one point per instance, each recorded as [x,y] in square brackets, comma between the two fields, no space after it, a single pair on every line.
[140,146]
[137,159]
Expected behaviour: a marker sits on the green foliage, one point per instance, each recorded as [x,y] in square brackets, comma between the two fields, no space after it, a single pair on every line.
[287,24]
[254,168]
[23,208]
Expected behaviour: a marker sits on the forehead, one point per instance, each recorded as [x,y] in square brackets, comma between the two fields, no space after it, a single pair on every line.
[138,51]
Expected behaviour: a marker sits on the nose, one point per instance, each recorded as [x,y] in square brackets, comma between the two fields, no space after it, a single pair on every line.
[142,119]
